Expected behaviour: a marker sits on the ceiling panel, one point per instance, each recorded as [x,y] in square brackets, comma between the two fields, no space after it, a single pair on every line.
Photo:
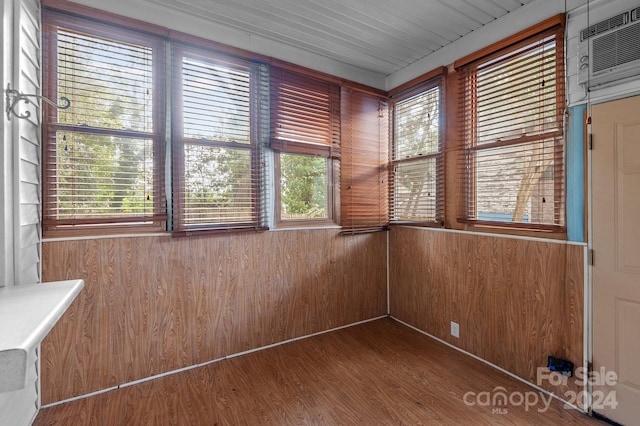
[377,35]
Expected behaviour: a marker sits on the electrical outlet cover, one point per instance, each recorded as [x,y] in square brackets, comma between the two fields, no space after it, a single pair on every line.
[455,329]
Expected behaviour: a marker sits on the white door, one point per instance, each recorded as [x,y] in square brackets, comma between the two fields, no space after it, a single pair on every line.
[616,268]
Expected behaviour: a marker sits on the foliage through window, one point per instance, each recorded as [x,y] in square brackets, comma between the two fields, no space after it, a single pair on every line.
[303,187]
[417,157]
[513,108]
[103,157]
[216,173]
[305,121]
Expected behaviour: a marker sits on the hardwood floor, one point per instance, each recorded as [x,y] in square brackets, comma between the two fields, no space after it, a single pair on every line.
[381,372]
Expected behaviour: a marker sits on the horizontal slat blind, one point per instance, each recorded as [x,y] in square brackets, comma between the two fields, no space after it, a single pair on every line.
[103,156]
[90,187]
[216,159]
[513,108]
[364,171]
[216,104]
[112,81]
[305,114]
[305,133]
[417,159]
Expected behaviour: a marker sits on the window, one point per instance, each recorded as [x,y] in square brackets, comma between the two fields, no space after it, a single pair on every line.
[364,168]
[305,135]
[417,157]
[103,158]
[304,192]
[512,115]
[216,152]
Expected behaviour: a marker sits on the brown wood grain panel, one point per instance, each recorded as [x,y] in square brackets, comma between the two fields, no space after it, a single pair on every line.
[453,153]
[517,301]
[156,304]
[376,373]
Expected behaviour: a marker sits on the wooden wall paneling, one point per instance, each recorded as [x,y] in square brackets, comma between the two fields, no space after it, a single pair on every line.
[156,304]
[454,153]
[478,318]
[573,306]
[517,301]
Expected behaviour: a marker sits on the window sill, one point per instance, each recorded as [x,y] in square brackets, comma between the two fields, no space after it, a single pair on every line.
[73,232]
[104,236]
[416,223]
[27,313]
[555,232]
[303,226]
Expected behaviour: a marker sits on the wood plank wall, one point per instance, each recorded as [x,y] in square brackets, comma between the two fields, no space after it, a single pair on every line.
[155,304]
[516,301]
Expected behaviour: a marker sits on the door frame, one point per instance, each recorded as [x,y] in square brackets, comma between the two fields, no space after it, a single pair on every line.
[589,260]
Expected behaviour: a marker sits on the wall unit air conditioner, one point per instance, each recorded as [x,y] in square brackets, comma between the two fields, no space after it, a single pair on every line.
[610,50]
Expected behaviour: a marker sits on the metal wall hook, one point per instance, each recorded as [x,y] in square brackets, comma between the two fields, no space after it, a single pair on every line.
[13,96]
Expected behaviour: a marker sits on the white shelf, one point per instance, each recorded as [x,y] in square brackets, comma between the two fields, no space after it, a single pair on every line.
[27,314]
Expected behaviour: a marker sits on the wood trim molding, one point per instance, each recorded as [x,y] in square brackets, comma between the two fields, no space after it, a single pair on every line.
[302,148]
[554,21]
[438,72]
[491,225]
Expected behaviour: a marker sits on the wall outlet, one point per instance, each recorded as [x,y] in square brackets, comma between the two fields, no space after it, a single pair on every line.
[455,329]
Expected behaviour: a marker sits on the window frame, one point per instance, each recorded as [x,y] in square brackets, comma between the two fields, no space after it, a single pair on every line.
[555,27]
[398,97]
[329,149]
[179,51]
[330,195]
[51,226]
[115,23]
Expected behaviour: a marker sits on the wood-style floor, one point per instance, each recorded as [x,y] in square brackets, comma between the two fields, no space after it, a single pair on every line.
[378,373]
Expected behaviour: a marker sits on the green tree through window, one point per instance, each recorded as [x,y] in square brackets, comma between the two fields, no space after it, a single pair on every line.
[304,187]
[100,166]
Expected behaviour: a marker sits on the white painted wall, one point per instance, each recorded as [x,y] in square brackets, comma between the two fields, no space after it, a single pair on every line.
[20,407]
[20,154]
[26,144]
[578,19]
[6,153]
[20,183]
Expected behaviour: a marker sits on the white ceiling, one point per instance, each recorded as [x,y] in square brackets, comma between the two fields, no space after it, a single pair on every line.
[381,36]
[379,43]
